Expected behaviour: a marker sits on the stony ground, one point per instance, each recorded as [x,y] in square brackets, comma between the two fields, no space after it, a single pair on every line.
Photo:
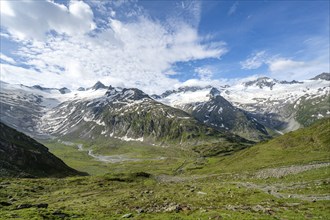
[284,171]
[297,195]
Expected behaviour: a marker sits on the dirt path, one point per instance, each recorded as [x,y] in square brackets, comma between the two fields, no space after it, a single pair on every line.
[179,179]
[284,171]
[275,188]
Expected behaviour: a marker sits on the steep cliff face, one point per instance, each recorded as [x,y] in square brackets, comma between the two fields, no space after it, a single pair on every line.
[22,156]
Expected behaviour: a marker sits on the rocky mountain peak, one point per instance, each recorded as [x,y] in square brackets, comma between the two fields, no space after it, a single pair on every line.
[322,76]
[111,91]
[262,82]
[189,89]
[38,87]
[179,90]
[133,94]
[64,90]
[214,92]
[99,85]
[291,82]
[126,94]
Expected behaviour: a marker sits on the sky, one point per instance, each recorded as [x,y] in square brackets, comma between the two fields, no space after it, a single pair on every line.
[161,45]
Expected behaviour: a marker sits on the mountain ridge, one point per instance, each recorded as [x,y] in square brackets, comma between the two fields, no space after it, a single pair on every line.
[259,108]
[131,115]
[209,107]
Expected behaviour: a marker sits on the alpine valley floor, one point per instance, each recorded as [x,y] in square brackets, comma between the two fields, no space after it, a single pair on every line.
[283,178]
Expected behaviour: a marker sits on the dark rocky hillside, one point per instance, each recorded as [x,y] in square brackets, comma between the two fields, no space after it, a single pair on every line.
[22,156]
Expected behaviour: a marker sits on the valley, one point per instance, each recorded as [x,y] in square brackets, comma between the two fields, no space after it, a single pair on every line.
[247,184]
[164,110]
[171,156]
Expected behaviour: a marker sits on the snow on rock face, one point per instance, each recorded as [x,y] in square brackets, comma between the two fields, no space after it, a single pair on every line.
[125,138]
[272,102]
[261,83]
[209,107]
[49,108]
[180,99]
[253,97]
[36,102]
[279,107]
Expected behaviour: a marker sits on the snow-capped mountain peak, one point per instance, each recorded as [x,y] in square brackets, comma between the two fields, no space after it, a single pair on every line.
[240,108]
[322,76]
[64,90]
[125,94]
[262,82]
[98,85]
[214,92]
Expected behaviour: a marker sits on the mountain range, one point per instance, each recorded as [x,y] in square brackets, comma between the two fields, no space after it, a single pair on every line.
[254,110]
[166,155]
[262,106]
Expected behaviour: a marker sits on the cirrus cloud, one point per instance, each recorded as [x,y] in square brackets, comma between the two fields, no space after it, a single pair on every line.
[254,61]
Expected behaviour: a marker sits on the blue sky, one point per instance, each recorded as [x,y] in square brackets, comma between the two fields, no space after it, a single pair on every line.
[158,45]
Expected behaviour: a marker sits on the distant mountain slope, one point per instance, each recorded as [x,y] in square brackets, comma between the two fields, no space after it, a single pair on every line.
[306,145]
[209,107]
[131,115]
[282,105]
[322,76]
[246,109]
[99,114]
[311,108]
[22,106]
[22,156]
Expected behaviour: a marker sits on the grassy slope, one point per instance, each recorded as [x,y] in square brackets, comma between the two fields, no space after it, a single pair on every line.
[299,147]
[147,157]
[218,196]
[110,197]
[306,145]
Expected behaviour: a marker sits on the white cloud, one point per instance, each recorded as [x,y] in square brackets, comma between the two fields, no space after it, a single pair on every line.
[254,61]
[233,8]
[19,75]
[191,12]
[288,69]
[133,53]
[202,83]
[6,10]
[280,65]
[7,59]
[33,19]
[204,72]
[314,59]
